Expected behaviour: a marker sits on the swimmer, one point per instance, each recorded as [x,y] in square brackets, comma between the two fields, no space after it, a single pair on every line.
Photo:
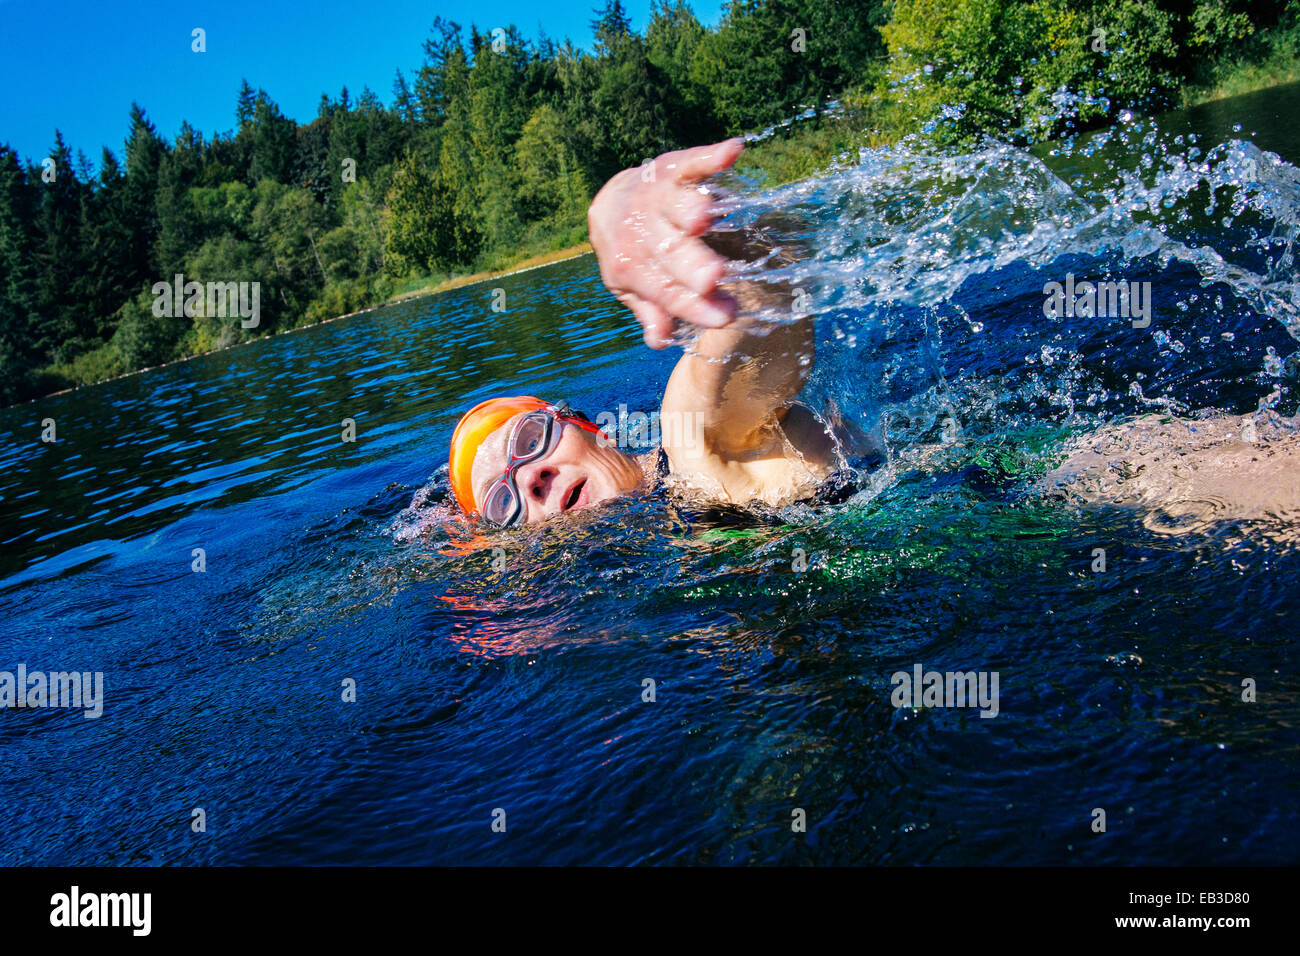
[749,440]
[733,430]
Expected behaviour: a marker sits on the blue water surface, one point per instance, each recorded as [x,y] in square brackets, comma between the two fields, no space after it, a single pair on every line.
[333,563]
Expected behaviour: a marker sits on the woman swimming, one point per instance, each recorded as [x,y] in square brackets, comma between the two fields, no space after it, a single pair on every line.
[733,432]
[736,433]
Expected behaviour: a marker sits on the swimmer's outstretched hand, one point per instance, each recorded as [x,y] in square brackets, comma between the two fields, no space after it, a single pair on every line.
[645,225]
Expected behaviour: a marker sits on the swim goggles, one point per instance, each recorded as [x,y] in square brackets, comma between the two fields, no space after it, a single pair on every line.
[531,439]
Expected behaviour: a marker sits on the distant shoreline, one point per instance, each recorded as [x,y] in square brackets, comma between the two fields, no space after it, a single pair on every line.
[456,282]
[446,285]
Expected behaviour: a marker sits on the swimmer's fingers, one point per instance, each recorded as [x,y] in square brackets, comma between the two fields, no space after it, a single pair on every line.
[657,288]
[690,263]
[690,211]
[713,310]
[700,162]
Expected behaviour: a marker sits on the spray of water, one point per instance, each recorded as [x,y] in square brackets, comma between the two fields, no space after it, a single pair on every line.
[930,268]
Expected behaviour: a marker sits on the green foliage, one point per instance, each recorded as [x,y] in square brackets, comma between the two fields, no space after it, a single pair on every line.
[423,228]
[769,59]
[630,98]
[88,368]
[1267,55]
[1216,24]
[743,66]
[1006,62]
[553,184]
[18,301]
[272,142]
[229,258]
[672,38]
[143,339]
[344,298]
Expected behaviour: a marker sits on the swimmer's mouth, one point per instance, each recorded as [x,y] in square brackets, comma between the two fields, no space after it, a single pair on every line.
[572,499]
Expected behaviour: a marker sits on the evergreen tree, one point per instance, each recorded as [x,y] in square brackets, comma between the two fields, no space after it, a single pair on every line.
[106,241]
[404,101]
[445,67]
[18,349]
[272,142]
[630,104]
[312,168]
[178,170]
[245,105]
[64,328]
[139,207]
[611,25]
[672,37]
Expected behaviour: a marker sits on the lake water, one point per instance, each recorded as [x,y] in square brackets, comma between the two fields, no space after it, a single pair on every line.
[330,564]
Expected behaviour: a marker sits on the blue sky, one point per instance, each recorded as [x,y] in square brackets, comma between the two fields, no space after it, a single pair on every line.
[77,66]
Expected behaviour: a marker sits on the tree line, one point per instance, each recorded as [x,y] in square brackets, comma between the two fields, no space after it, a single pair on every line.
[495,144]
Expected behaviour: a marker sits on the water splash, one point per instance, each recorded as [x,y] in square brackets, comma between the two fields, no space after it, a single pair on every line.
[908,227]
[930,269]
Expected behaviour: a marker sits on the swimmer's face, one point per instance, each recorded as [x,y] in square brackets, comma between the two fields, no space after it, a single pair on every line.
[579,472]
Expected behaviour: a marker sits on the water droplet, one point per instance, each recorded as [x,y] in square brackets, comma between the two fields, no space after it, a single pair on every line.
[1127,659]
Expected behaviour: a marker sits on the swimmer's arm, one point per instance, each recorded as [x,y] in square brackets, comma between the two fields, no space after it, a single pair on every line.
[739,380]
[1239,467]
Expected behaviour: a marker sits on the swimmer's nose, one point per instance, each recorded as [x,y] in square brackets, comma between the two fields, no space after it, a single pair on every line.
[538,484]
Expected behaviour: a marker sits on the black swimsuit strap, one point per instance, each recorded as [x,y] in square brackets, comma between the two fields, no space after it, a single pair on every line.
[661,463]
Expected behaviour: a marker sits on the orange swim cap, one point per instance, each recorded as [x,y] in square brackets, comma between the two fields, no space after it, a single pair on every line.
[476,424]
[485,418]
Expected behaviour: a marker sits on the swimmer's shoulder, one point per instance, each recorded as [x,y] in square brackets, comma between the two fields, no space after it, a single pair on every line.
[786,462]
